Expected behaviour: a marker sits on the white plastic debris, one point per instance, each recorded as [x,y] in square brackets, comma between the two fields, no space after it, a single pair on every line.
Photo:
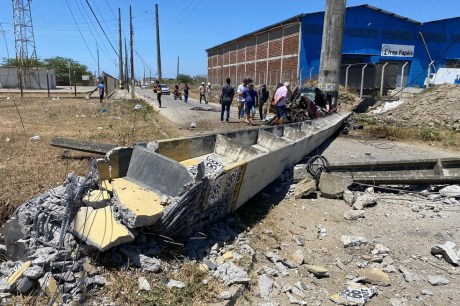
[35,138]
[7,139]
[354,295]
[137,107]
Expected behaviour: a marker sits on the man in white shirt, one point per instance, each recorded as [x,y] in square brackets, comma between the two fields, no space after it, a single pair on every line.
[241,99]
[280,99]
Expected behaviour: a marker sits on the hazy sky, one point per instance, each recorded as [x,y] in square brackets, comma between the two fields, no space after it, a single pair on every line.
[187,27]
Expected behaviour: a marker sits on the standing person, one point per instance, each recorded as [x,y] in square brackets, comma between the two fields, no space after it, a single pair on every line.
[251,99]
[208,93]
[226,97]
[280,99]
[157,90]
[202,90]
[240,91]
[186,88]
[263,97]
[101,89]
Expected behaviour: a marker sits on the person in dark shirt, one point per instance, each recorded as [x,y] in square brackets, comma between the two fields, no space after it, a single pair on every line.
[186,88]
[263,97]
[226,96]
[101,90]
[251,100]
[158,91]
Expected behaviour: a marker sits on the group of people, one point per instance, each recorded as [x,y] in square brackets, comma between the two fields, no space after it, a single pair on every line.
[205,93]
[249,99]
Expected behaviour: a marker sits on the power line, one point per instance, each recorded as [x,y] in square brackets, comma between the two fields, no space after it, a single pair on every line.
[102,28]
[78,27]
[6,43]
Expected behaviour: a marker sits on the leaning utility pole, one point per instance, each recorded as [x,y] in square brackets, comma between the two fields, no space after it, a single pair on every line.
[331,49]
[120,50]
[158,42]
[133,95]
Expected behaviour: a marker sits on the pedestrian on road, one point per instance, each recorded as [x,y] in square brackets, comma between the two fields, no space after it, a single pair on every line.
[202,90]
[208,93]
[157,90]
[263,98]
[101,89]
[240,91]
[251,99]
[186,88]
[226,97]
[279,101]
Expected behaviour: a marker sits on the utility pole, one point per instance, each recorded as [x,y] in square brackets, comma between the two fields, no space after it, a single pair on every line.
[143,81]
[98,68]
[70,81]
[158,42]
[177,74]
[331,49]
[126,66]
[120,50]
[133,95]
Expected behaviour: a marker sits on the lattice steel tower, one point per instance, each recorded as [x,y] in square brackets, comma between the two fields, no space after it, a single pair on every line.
[26,54]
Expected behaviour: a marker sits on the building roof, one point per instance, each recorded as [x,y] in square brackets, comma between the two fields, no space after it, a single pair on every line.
[299,17]
[441,20]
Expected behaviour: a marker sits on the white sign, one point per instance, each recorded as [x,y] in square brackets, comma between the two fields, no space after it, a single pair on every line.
[85,77]
[397,50]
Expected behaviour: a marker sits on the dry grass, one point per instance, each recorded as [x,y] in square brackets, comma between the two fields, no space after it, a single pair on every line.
[28,167]
[124,288]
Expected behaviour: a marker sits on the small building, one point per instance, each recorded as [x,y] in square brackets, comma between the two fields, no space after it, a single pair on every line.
[33,78]
[291,49]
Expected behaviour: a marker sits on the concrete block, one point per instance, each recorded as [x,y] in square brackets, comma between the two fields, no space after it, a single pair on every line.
[98,227]
[332,186]
[97,198]
[304,188]
[137,206]
[15,239]
[49,285]
[293,134]
[119,160]
[103,169]
[234,150]
[158,173]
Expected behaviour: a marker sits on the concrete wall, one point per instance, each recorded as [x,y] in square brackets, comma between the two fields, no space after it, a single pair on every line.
[35,80]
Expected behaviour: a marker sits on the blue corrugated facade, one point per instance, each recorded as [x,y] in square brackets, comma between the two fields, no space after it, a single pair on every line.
[369,30]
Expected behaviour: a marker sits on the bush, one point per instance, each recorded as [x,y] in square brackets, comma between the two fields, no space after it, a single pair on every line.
[431,135]
[184,78]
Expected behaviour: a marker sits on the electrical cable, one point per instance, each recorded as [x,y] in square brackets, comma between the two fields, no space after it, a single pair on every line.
[78,27]
[105,34]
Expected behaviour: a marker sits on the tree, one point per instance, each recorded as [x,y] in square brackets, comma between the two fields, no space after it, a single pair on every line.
[62,65]
[184,78]
[12,62]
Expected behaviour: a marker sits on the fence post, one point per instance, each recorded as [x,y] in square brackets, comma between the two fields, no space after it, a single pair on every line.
[346,77]
[383,76]
[402,79]
[362,82]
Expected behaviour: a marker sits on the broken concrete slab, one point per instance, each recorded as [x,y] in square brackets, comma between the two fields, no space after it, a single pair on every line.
[374,276]
[317,271]
[349,241]
[143,284]
[99,228]
[332,186]
[231,274]
[348,197]
[298,257]
[265,286]
[437,280]
[447,251]
[364,200]
[175,284]
[136,206]
[15,235]
[353,214]
[49,285]
[304,188]
[34,272]
[408,275]
[450,191]
[97,199]
[354,295]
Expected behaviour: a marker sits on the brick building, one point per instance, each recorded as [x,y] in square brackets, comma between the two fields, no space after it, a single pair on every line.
[291,49]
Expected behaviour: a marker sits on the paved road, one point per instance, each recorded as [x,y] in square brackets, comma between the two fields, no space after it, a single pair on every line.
[183,115]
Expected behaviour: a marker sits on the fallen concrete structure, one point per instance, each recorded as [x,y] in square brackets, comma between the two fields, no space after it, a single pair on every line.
[423,171]
[166,188]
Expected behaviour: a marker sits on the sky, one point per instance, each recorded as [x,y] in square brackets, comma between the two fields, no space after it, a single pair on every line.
[68,28]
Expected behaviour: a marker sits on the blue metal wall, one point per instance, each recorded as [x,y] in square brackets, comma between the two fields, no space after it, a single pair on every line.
[366,29]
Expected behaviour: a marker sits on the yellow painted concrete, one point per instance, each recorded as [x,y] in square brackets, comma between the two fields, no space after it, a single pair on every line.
[139,200]
[99,228]
[18,273]
[194,161]
[97,196]
[106,185]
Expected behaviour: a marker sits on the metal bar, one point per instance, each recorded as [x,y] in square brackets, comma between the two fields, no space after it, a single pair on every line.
[425,171]
[81,145]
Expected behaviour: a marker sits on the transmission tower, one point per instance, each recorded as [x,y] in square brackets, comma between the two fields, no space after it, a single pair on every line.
[26,54]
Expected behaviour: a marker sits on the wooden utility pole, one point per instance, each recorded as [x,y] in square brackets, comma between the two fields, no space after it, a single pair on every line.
[133,94]
[120,50]
[158,42]
[126,66]
[331,49]
[177,74]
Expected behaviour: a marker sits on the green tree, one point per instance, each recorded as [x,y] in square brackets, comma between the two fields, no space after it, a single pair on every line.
[12,62]
[184,78]
[62,65]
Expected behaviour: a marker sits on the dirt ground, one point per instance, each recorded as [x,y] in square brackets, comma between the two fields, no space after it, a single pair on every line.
[407,223]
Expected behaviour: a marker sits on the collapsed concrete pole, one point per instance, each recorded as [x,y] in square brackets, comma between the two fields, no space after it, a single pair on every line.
[331,49]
